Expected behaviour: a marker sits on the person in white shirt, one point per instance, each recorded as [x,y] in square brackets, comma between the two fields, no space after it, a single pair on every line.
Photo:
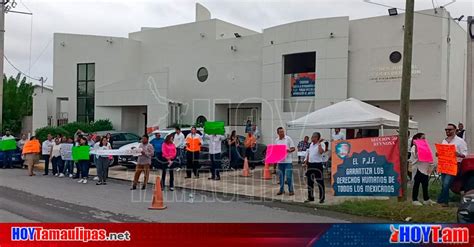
[102,161]
[461,152]
[314,161]
[46,151]
[338,135]
[55,158]
[286,166]
[179,142]
[215,150]
[7,155]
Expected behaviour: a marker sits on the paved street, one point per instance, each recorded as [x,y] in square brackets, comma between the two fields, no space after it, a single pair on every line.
[52,199]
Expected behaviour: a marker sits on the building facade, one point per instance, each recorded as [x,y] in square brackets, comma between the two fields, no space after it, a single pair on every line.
[214,70]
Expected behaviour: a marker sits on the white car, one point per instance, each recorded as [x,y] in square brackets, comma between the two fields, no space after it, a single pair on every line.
[130,161]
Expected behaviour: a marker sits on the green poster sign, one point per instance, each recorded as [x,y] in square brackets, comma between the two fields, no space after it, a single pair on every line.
[212,128]
[7,145]
[80,153]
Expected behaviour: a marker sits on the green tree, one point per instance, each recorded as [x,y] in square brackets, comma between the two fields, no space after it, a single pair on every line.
[17,102]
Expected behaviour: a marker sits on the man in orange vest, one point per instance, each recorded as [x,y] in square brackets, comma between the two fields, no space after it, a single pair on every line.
[193,148]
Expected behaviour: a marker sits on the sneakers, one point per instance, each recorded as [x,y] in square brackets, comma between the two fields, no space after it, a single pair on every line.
[171,189]
[417,203]
[61,175]
[70,175]
[178,169]
[56,175]
[96,178]
[98,183]
[84,181]
[429,202]
[80,180]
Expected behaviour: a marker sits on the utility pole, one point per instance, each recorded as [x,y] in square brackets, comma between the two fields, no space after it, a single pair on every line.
[405,94]
[2,45]
[469,83]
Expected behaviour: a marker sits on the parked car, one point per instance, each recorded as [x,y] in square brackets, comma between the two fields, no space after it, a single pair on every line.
[119,139]
[130,161]
[16,158]
[204,159]
[465,212]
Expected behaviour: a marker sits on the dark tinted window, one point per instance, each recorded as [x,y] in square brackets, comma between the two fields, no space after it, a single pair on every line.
[131,137]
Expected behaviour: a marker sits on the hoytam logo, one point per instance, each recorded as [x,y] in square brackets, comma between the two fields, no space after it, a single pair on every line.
[435,234]
[76,234]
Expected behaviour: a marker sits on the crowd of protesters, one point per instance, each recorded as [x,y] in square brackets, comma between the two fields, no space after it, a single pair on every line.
[166,154]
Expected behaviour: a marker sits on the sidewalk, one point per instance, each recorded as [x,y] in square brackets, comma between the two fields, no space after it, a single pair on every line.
[233,184]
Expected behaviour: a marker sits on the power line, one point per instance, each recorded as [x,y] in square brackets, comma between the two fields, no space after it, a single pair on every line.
[21,72]
[42,52]
[420,13]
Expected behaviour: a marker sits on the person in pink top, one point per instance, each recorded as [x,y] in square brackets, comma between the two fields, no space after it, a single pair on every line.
[169,154]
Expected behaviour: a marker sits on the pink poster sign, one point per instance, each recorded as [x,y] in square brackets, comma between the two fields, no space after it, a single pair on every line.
[275,153]
[424,151]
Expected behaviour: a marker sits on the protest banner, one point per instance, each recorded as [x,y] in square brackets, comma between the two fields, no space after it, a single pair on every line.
[423,150]
[366,167]
[7,145]
[447,162]
[81,153]
[118,152]
[66,151]
[214,128]
[275,153]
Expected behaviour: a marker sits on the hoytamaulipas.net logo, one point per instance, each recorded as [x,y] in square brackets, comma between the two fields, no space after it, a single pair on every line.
[79,234]
[434,234]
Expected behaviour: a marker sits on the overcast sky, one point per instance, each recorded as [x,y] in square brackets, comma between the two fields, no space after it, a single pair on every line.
[120,17]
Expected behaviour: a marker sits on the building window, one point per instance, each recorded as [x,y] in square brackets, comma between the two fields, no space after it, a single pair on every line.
[85,92]
[202,74]
[395,57]
[239,116]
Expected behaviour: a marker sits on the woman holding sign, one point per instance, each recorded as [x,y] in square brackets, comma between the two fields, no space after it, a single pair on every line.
[102,161]
[84,163]
[422,171]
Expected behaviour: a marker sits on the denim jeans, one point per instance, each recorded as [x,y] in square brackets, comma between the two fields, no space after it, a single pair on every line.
[215,165]
[46,163]
[84,165]
[68,167]
[446,180]
[102,165]
[58,166]
[286,168]
[7,158]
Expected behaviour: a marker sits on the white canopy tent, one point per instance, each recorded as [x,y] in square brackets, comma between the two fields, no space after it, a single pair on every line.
[350,114]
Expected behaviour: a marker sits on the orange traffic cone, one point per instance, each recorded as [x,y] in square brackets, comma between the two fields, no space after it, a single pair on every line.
[157,203]
[246,170]
[266,172]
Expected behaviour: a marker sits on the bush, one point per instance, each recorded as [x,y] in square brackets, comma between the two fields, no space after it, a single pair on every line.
[71,128]
[102,125]
[42,133]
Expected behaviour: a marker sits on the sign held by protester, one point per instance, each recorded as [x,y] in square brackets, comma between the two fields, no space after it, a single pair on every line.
[7,145]
[366,167]
[81,153]
[275,153]
[447,162]
[423,150]
[214,128]
[66,151]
